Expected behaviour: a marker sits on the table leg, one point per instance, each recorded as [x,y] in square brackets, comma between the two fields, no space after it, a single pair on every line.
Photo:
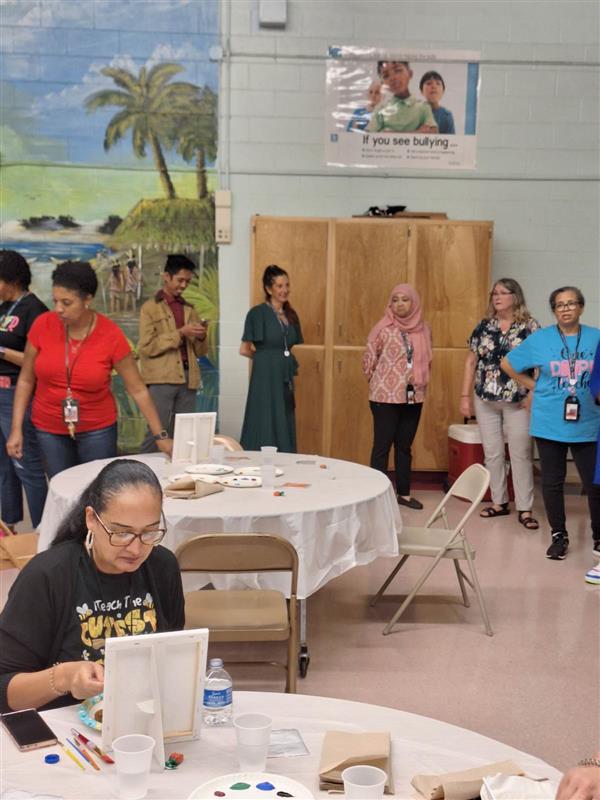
[303,657]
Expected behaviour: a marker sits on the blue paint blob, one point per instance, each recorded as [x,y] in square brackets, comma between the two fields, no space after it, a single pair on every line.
[265,786]
[52,758]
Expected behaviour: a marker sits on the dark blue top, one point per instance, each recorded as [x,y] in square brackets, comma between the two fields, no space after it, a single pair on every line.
[444,119]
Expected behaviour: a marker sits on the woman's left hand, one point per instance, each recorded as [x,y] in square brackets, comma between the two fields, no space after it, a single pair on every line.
[527,400]
[165,446]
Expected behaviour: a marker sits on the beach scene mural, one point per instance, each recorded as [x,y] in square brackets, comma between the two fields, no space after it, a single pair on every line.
[108,141]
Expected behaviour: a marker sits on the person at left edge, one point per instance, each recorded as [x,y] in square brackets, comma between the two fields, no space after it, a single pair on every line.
[171,339]
[18,309]
[70,355]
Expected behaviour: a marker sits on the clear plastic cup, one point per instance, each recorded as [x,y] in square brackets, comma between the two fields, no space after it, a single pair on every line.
[253,732]
[363,782]
[133,757]
[217,453]
[267,473]
[268,454]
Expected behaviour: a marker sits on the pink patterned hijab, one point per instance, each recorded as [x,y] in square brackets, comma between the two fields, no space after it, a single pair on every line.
[412,325]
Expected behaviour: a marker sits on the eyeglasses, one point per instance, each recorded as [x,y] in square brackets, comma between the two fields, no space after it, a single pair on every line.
[501,294]
[124,538]
[569,306]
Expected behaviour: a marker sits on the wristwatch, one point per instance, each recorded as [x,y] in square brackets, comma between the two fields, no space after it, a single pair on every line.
[162,435]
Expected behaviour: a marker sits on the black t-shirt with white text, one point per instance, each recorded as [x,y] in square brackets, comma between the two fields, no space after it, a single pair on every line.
[15,326]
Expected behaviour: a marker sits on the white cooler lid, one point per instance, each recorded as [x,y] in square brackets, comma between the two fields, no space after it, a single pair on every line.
[469,434]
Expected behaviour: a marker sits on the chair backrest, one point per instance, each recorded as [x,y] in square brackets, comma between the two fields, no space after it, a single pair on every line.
[230,443]
[19,548]
[239,552]
[471,485]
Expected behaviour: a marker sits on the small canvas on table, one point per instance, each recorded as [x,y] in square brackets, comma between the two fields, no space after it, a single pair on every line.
[193,436]
[154,684]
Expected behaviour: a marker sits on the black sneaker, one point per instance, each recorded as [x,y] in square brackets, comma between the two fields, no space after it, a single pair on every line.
[596,549]
[558,549]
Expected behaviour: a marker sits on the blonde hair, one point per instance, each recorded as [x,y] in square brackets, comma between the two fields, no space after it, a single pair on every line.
[520,310]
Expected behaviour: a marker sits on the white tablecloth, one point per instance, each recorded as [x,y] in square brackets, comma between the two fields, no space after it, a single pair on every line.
[419,745]
[347,516]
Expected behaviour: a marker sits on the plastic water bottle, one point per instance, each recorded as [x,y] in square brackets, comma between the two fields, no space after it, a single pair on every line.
[217,694]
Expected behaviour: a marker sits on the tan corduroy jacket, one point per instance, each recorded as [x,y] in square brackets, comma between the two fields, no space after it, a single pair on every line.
[159,343]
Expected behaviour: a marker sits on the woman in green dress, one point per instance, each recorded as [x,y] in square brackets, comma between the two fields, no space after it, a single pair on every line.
[270,331]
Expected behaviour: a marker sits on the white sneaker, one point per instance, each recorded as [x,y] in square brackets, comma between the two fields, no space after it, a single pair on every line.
[593,575]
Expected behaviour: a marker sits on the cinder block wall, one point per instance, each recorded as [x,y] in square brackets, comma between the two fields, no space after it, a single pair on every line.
[538,159]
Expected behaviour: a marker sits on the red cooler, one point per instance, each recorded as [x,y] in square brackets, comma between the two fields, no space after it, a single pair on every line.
[464,449]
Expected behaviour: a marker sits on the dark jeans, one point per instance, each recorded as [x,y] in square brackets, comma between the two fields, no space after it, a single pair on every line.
[553,463]
[169,399]
[394,424]
[18,474]
[60,452]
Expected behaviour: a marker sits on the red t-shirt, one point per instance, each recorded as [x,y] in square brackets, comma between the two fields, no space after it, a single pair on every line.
[90,373]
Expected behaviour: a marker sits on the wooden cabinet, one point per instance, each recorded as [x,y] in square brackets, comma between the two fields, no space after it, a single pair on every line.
[341,274]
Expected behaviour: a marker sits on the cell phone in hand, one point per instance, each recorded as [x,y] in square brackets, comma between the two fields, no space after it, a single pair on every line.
[28,730]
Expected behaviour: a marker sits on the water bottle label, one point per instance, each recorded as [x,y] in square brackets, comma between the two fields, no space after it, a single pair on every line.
[217,698]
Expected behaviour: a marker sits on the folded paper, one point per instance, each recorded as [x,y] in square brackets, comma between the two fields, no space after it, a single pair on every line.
[342,749]
[462,785]
[191,489]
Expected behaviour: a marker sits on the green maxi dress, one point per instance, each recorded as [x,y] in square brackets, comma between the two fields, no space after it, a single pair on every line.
[269,418]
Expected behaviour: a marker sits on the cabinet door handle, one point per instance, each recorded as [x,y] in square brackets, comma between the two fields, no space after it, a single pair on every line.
[339,365]
[317,366]
[319,328]
[340,328]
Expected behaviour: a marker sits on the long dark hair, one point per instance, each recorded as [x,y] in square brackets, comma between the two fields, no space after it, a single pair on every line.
[120,474]
[270,275]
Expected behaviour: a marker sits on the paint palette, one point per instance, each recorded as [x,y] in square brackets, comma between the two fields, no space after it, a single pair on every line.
[209,469]
[90,712]
[256,471]
[242,481]
[251,786]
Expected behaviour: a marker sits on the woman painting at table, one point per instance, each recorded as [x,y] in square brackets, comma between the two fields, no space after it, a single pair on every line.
[270,332]
[397,363]
[563,413]
[19,308]
[500,404]
[69,358]
[104,575]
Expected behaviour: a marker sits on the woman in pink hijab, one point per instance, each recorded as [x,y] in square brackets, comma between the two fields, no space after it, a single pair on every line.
[397,363]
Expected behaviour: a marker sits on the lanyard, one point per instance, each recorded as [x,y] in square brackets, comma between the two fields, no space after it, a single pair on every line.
[4,317]
[504,339]
[572,357]
[409,349]
[284,330]
[68,366]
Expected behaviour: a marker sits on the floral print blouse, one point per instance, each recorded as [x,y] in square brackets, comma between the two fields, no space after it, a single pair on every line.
[385,364]
[491,345]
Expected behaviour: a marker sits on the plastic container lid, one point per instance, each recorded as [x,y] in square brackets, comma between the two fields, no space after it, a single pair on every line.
[52,758]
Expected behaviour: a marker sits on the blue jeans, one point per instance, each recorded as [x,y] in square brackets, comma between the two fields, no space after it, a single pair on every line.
[60,452]
[18,474]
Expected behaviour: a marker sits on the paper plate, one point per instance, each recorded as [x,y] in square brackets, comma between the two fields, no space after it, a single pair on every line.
[251,786]
[256,471]
[241,481]
[90,712]
[209,469]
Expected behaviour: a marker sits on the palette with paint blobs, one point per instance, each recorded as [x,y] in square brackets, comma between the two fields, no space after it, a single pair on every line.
[251,786]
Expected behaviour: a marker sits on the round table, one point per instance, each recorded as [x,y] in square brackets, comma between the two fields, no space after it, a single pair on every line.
[419,745]
[347,516]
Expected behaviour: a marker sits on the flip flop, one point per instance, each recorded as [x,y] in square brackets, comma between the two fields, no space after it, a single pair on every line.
[488,513]
[528,522]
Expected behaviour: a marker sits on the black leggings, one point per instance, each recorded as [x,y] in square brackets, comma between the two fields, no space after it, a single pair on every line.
[553,463]
[394,423]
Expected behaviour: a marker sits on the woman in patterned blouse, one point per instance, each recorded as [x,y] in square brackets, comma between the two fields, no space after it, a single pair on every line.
[397,363]
[499,403]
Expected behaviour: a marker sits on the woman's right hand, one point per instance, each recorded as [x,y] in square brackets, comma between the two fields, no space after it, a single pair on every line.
[466,407]
[81,678]
[14,444]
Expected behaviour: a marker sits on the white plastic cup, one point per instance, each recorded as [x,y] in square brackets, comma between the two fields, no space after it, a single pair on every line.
[133,757]
[268,454]
[363,782]
[217,453]
[267,473]
[253,733]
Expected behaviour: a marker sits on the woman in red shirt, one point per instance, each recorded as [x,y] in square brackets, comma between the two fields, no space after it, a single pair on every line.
[69,358]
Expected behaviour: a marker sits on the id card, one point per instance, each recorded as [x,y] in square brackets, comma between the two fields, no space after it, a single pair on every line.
[572,409]
[410,394]
[70,408]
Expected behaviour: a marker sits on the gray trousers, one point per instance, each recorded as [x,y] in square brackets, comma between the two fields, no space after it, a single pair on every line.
[169,399]
[497,419]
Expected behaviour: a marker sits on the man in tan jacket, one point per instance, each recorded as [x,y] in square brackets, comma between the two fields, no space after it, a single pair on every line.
[171,339]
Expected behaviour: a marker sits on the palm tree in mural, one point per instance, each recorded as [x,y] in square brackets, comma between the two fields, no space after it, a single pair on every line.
[148,102]
[196,135]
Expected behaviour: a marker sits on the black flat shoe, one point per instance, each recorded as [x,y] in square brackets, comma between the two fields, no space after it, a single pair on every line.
[410,503]
[488,513]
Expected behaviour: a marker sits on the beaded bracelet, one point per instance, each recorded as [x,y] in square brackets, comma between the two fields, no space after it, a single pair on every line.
[589,762]
[52,684]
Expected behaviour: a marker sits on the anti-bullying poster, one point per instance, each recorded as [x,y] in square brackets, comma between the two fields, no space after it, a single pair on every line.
[401,108]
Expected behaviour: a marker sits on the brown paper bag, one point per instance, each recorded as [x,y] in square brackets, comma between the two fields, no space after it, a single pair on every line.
[462,785]
[190,489]
[342,749]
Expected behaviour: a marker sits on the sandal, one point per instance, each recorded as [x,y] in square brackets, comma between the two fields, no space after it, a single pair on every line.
[528,521]
[488,513]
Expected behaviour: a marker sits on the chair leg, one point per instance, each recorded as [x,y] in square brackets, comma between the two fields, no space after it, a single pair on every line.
[478,592]
[461,583]
[413,592]
[388,580]
[292,653]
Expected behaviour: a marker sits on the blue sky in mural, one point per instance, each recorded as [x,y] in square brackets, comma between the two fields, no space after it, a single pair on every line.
[52,53]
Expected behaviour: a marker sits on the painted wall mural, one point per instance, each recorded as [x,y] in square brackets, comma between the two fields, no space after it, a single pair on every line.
[108,139]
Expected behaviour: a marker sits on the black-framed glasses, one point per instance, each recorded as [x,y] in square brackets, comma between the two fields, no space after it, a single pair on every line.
[124,538]
[568,306]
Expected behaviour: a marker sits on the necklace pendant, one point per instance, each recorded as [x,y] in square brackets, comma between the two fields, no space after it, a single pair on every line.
[572,381]
[286,353]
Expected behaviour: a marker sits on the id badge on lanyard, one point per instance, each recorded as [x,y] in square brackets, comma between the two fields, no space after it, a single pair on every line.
[572,406]
[70,407]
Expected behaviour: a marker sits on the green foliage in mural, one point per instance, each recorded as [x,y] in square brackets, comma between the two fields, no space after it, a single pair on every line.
[182,224]
[203,294]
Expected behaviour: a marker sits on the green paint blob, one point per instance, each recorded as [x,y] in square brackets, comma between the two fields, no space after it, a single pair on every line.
[240,786]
